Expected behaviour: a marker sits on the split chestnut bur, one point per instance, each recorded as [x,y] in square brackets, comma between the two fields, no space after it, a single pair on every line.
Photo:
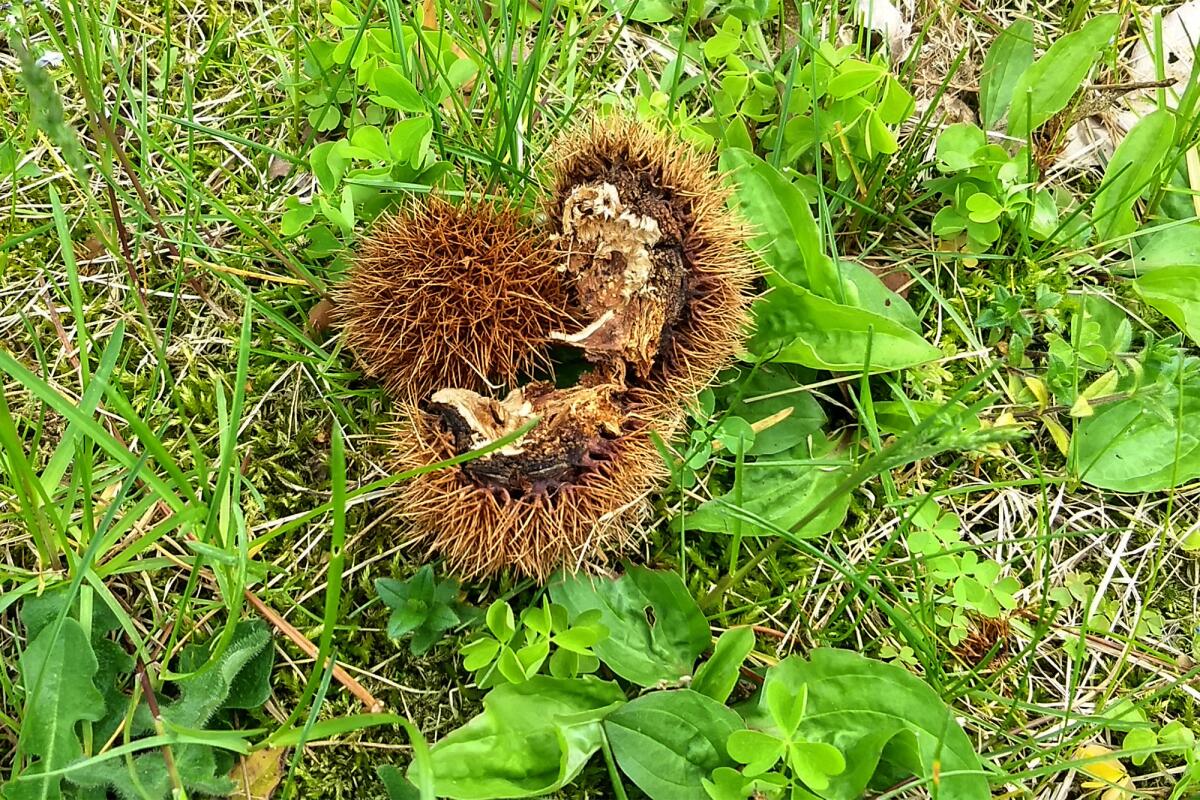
[641,267]
[657,265]
[566,493]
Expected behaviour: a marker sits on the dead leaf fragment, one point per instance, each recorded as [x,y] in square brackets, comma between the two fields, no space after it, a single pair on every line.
[883,17]
[279,168]
[257,774]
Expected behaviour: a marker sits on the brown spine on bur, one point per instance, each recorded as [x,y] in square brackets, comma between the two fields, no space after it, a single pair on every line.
[656,263]
[451,295]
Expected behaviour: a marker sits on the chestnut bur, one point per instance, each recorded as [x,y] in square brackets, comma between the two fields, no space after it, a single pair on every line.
[641,268]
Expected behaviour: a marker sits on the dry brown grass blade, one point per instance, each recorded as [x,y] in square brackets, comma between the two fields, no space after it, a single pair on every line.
[300,640]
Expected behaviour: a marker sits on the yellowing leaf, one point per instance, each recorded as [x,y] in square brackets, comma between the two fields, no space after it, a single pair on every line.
[1062,440]
[1038,389]
[1108,773]
[1082,408]
[1104,385]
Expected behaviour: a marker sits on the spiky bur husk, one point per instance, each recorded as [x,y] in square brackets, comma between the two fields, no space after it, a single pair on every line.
[451,295]
[657,264]
[569,493]
[987,638]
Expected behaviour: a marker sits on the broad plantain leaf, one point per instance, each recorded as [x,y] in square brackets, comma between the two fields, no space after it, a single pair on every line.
[781,494]
[804,418]
[1178,246]
[1048,85]
[1131,169]
[668,742]
[1145,443]
[887,722]
[787,234]
[656,631]
[866,291]
[795,326]
[718,676]
[1007,59]
[1175,292]
[532,738]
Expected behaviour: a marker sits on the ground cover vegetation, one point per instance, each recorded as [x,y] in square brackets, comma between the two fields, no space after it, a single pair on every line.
[932,533]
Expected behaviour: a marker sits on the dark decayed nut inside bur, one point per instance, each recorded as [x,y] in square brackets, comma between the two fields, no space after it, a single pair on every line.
[567,492]
[451,295]
[656,265]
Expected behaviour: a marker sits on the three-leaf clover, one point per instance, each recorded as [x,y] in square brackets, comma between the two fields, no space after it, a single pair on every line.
[812,763]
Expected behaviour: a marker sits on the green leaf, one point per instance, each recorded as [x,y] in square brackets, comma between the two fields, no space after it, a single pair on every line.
[656,631]
[983,207]
[757,750]
[250,686]
[1132,168]
[295,217]
[897,103]
[328,164]
[854,77]
[532,738]
[1177,247]
[734,434]
[882,719]
[865,290]
[501,621]
[788,236]
[409,140]
[340,15]
[237,675]
[879,138]
[958,145]
[201,694]
[479,653]
[1007,59]
[1138,739]
[816,762]
[368,142]
[786,706]
[796,326]
[645,10]
[1050,82]
[510,666]
[396,91]
[397,786]
[718,676]
[1175,293]
[1132,445]
[420,606]
[579,639]
[325,118]
[806,416]
[57,669]
[721,45]
[781,494]
[322,242]
[668,742]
